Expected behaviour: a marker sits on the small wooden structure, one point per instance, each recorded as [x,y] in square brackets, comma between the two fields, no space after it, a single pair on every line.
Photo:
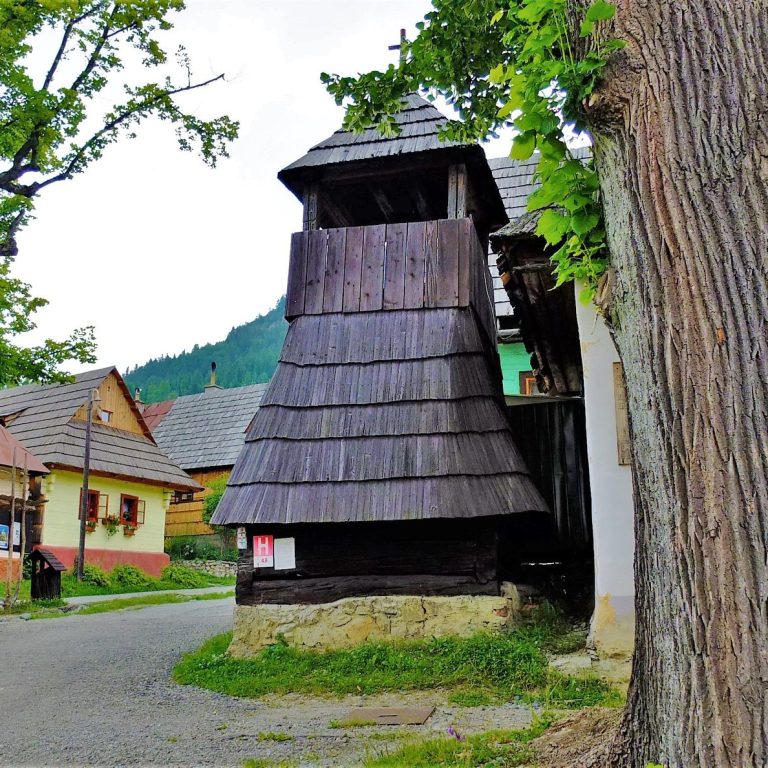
[381,461]
[46,575]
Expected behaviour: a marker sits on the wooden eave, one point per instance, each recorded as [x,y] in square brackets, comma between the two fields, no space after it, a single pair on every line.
[192,486]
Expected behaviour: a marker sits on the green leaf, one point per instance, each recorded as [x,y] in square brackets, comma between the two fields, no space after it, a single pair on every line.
[523,146]
[552,226]
[507,109]
[587,28]
[496,75]
[496,17]
[601,11]
[581,223]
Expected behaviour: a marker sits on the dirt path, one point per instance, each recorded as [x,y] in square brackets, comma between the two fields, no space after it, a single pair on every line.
[95,690]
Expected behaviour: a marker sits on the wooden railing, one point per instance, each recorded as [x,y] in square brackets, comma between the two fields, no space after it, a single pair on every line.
[388,267]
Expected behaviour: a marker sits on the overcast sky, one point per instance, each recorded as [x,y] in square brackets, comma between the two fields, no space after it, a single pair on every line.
[159,252]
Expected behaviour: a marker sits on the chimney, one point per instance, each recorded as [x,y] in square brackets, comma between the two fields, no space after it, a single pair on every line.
[137,399]
[212,383]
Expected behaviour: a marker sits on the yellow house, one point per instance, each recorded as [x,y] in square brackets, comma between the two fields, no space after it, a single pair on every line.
[131,479]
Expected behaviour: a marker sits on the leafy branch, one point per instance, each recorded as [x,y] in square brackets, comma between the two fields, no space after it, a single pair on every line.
[52,131]
[511,66]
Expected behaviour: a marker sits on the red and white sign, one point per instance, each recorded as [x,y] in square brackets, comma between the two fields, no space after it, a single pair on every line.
[263,551]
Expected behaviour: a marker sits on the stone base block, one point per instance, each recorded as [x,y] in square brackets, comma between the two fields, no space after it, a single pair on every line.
[353,620]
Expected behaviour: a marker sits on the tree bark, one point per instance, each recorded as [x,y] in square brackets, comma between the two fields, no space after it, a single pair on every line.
[682,151]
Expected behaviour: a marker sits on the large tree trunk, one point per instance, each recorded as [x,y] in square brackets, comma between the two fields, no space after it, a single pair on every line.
[682,151]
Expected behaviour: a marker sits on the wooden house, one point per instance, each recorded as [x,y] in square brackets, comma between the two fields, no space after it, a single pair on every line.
[17,490]
[131,479]
[381,462]
[581,450]
[204,434]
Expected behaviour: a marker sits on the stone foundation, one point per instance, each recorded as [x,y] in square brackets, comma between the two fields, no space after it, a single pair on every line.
[213,567]
[346,623]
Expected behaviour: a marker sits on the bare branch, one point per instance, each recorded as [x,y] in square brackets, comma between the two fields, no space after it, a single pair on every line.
[115,123]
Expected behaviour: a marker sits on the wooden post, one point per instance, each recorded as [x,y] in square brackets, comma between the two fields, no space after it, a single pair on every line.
[310,207]
[9,573]
[23,531]
[457,191]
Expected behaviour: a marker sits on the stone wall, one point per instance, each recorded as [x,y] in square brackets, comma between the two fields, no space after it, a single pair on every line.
[213,567]
[348,622]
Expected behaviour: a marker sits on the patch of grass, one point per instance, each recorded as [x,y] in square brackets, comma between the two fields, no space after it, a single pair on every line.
[489,750]
[131,602]
[273,736]
[509,665]
[260,762]
[71,587]
[464,697]
[351,723]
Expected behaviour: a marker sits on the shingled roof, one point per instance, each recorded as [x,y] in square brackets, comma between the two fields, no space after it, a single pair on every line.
[419,124]
[12,451]
[207,430]
[514,179]
[43,418]
[386,403]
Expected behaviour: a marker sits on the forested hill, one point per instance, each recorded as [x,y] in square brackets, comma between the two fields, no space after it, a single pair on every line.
[247,356]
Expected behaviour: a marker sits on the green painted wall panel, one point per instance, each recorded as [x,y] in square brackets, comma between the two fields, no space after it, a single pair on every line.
[514,360]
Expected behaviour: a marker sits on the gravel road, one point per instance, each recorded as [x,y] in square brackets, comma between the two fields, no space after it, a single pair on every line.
[95,691]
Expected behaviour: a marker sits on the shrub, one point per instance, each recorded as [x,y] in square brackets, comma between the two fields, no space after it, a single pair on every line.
[181,548]
[92,574]
[183,576]
[133,577]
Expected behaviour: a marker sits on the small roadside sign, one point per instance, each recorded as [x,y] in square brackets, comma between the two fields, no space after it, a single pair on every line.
[263,551]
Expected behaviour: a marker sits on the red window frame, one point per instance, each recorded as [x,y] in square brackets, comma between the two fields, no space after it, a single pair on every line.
[137,510]
[94,505]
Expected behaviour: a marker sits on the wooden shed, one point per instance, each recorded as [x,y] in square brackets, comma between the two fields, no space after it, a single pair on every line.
[381,460]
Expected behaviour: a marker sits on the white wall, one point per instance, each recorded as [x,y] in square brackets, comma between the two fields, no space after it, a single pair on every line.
[611,485]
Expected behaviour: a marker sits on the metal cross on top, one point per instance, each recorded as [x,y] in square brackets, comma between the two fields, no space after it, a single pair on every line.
[400,46]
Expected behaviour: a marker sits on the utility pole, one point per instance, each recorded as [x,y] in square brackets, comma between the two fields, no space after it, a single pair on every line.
[93,398]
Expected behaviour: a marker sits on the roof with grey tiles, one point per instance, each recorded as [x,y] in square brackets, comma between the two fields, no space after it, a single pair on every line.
[419,124]
[514,178]
[42,417]
[207,430]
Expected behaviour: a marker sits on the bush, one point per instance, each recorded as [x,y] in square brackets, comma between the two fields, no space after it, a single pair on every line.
[92,574]
[183,576]
[196,548]
[133,577]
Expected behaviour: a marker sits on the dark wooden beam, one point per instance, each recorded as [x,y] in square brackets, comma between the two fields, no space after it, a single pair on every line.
[310,207]
[327,589]
[457,191]
[383,202]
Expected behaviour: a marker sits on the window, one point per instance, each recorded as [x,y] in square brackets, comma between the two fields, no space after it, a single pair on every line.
[98,505]
[105,416]
[528,383]
[131,510]
[182,497]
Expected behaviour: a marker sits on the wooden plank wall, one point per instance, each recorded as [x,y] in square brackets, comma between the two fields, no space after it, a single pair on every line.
[437,557]
[390,266]
[186,519]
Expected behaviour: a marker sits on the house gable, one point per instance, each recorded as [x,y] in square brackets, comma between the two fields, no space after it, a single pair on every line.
[117,402]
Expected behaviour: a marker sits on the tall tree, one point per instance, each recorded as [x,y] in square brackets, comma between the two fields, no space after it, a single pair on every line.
[674,96]
[59,61]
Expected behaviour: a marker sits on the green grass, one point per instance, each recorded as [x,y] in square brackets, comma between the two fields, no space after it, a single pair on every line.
[259,762]
[130,602]
[71,587]
[351,723]
[487,666]
[273,736]
[494,749]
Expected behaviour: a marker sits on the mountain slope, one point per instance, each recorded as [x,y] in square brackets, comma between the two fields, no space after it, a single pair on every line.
[247,356]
